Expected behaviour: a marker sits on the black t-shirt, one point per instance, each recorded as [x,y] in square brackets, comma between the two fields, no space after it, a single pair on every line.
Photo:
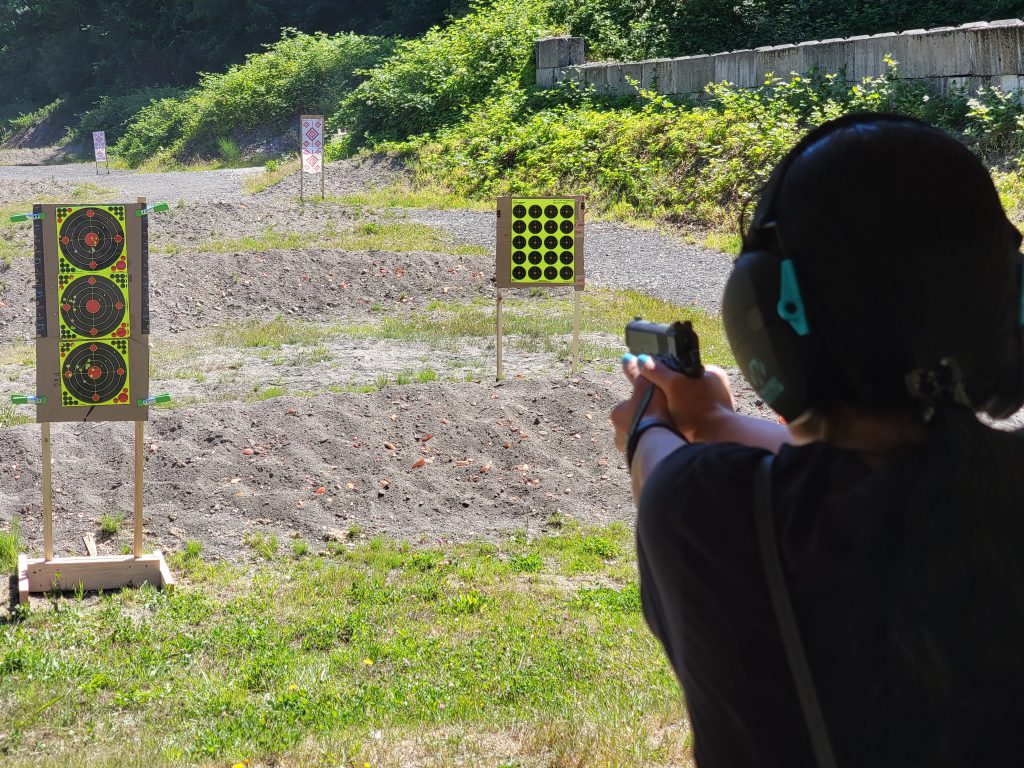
[705,597]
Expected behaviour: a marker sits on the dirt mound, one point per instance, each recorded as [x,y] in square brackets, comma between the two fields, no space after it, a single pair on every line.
[418,462]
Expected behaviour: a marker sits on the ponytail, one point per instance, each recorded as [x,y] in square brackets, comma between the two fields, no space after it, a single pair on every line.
[956,614]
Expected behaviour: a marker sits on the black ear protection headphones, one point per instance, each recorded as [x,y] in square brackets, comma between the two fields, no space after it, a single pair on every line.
[767,323]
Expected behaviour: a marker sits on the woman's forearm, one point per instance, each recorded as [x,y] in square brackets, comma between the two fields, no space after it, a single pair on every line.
[726,426]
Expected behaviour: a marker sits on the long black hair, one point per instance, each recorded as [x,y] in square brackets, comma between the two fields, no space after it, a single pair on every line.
[907,263]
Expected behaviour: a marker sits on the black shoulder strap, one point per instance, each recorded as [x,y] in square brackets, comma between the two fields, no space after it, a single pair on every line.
[784,614]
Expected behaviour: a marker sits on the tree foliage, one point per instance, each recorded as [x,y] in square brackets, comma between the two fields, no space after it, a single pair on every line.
[80,50]
[629,29]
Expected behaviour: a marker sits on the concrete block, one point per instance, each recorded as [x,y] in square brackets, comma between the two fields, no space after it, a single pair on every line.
[653,72]
[742,69]
[780,60]
[595,76]
[693,74]
[869,54]
[552,52]
[830,57]
[998,50]
[546,77]
[624,79]
[1006,23]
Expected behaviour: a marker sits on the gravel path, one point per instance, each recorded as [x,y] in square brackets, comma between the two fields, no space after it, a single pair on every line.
[170,186]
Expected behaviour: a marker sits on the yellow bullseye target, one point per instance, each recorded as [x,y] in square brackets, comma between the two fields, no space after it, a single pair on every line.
[540,241]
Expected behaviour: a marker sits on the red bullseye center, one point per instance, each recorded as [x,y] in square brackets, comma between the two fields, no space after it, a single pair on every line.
[95,372]
[92,239]
[92,306]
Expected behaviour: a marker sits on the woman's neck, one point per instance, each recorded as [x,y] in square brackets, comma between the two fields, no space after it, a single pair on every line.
[876,435]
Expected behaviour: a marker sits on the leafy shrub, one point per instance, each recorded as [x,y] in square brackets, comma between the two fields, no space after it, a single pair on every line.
[114,113]
[430,81]
[696,163]
[299,73]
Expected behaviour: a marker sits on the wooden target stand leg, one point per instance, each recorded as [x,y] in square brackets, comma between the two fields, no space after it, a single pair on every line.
[104,572]
[575,331]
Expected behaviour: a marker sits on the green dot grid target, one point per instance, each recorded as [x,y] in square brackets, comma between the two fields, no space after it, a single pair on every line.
[544,243]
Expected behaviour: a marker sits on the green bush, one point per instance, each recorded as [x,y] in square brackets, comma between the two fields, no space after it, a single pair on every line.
[299,73]
[429,82]
[688,162]
[114,113]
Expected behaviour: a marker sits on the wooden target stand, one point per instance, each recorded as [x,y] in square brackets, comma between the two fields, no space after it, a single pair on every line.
[93,572]
[539,245]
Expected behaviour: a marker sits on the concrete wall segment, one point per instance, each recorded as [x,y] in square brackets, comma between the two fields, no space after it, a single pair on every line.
[974,53]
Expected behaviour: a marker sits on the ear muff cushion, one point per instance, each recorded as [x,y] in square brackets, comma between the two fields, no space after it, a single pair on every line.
[774,360]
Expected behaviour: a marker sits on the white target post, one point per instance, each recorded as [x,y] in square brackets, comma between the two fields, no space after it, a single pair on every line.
[311,151]
[85,370]
[539,245]
[99,150]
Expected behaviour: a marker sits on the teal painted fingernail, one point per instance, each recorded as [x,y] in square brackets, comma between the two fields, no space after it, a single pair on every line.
[628,358]
[644,359]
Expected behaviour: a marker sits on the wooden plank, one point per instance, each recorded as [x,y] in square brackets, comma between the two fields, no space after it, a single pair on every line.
[47,492]
[23,589]
[94,573]
[497,341]
[576,331]
[90,544]
[138,488]
[165,572]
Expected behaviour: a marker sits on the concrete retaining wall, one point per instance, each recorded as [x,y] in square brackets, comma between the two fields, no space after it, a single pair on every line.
[976,54]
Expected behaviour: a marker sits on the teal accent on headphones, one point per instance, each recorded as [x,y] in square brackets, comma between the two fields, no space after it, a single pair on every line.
[791,304]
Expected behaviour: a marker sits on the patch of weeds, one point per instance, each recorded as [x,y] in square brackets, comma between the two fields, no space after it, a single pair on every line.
[266,546]
[607,599]
[110,523]
[274,171]
[407,196]
[528,563]
[9,417]
[465,602]
[258,395]
[229,151]
[425,375]
[300,548]
[381,381]
[272,334]
[88,190]
[10,546]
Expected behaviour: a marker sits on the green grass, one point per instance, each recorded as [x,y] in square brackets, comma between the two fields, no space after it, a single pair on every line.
[395,237]
[272,334]
[409,196]
[9,417]
[543,321]
[110,524]
[379,653]
[10,547]
[274,171]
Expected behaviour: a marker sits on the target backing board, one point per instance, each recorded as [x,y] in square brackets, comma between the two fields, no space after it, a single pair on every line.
[92,313]
[540,242]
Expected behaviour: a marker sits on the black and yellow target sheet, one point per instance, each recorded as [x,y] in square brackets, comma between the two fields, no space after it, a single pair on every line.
[92,350]
[540,242]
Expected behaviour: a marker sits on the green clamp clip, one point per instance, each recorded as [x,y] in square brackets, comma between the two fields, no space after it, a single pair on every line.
[27,216]
[26,399]
[154,400]
[153,209]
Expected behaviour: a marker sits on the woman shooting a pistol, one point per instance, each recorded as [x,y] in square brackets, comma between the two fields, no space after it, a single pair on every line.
[848,589]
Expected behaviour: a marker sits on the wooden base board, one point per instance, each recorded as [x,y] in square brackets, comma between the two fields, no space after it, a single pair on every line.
[92,573]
